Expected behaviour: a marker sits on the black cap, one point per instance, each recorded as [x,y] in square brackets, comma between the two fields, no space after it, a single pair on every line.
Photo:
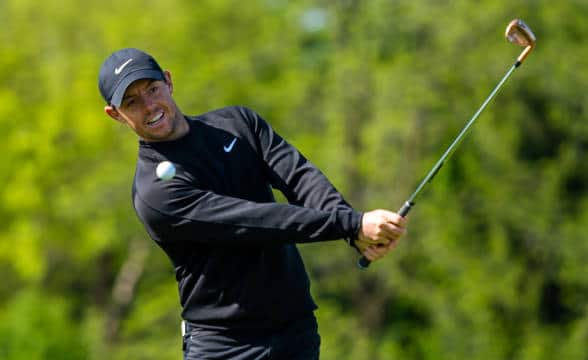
[123,67]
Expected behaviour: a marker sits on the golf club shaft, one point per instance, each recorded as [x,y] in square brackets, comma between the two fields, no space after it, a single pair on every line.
[363,262]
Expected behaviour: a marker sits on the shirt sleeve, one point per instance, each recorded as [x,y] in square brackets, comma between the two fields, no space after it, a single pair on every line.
[177,211]
[297,178]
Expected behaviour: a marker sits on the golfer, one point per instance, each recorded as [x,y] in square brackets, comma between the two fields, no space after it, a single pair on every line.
[242,284]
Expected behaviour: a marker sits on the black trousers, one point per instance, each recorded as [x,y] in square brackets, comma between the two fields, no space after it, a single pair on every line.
[297,341]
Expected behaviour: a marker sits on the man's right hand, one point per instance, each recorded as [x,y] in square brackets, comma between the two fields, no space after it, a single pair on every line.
[380,232]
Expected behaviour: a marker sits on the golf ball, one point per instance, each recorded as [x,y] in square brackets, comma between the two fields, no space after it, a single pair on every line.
[165,170]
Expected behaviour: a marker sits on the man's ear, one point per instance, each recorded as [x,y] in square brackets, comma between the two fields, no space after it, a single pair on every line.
[168,81]
[113,113]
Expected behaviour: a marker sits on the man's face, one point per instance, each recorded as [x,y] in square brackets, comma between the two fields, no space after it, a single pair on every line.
[149,109]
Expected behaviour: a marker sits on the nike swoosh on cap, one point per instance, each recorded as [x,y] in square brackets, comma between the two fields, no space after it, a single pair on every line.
[120,68]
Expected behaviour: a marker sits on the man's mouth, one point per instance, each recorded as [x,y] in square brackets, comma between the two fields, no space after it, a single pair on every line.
[155,120]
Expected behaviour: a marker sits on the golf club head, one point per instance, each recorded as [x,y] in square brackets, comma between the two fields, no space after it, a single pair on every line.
[518,33]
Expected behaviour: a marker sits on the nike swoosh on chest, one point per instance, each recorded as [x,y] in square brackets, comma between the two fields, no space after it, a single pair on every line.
[228,148]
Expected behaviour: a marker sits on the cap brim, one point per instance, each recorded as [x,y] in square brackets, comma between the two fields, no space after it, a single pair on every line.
[119,93]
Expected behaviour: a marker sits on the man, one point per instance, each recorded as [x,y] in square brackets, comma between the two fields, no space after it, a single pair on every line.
[243,287]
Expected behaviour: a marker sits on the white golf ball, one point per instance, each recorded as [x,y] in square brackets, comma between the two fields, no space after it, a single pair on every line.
[165,170]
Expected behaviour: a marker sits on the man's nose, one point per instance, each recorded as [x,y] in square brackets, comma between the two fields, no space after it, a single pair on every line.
[148,102]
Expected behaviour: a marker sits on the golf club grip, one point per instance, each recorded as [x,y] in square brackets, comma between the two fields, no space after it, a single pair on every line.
[363,262]
[405,209]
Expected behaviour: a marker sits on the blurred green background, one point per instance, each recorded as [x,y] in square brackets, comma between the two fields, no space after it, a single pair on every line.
[494,265]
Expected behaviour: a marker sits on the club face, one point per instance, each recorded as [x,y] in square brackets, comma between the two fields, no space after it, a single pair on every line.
[517,32]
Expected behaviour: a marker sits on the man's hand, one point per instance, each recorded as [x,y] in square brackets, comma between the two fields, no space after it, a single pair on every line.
[380,232]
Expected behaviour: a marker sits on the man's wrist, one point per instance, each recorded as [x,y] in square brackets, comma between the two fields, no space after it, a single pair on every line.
[354,236]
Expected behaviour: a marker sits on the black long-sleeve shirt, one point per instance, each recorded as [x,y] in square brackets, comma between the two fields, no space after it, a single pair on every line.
[232,246]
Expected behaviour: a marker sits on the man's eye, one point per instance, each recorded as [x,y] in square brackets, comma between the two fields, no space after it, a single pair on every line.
[154,89]
[130,102]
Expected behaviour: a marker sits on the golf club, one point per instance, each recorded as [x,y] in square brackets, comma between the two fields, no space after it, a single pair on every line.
[518,33]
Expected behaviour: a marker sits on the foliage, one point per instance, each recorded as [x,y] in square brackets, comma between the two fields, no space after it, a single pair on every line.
[372,92]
